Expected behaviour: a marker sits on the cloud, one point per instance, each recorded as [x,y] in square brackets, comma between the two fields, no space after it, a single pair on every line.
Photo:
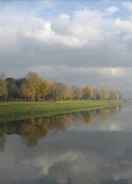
[128,5]
[86,45]
[112,10]
[77,30]
[124,25]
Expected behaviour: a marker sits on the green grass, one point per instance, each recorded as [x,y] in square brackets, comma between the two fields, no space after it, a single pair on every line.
[10,111]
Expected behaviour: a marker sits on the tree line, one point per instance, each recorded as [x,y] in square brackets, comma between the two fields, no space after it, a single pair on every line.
[34,88]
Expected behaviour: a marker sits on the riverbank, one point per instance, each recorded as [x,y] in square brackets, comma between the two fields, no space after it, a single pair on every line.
[11,111]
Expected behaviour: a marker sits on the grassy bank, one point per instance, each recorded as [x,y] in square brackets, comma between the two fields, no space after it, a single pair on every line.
[10,111]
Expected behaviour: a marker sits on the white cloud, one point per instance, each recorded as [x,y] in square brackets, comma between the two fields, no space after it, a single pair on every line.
[112,10]
[71,30]
[81,28]
[128,5]
[124,25]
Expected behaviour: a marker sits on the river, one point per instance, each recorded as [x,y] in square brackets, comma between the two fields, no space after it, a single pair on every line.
[82,148]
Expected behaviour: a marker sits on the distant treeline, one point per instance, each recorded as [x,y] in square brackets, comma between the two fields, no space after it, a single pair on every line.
[34,88]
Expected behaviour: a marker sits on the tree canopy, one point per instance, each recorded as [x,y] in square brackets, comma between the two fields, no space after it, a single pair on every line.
[34,88]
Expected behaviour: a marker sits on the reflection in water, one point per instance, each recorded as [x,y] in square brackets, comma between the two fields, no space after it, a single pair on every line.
[69,149]
[34,129]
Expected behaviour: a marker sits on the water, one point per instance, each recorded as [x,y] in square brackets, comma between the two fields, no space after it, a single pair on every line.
[82,148]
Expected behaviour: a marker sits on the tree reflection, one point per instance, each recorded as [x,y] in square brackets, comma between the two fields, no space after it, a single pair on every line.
[89,117]
[32,130]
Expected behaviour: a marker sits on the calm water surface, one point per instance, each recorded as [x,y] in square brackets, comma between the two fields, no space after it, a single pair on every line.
[83,148]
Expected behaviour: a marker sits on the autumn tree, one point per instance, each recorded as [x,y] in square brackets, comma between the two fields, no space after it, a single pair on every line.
[76,92]
[27,91]
[88,92]
[68,93]
[58,91]
[42,89]
[33,87]
[115,95]
[104,93]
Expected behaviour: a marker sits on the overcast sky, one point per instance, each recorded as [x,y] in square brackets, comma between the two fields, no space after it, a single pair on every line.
[74,41]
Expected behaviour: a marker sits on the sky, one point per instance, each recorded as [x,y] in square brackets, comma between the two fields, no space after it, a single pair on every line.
[75,41]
